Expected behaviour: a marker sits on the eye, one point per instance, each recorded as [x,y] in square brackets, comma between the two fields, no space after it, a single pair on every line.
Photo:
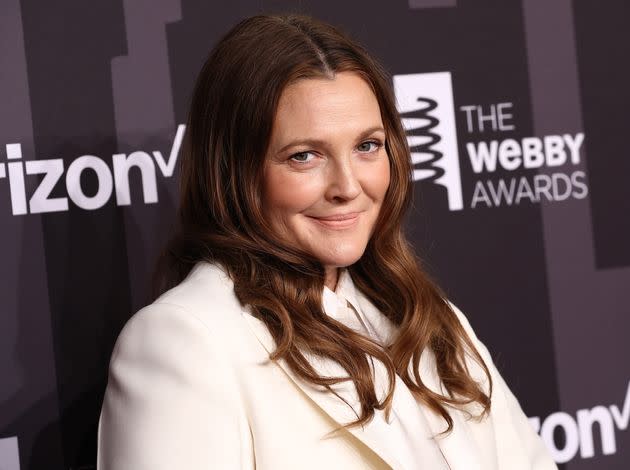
[301,157]
[365,146]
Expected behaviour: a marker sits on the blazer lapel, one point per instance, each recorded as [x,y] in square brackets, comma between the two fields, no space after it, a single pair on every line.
[428,424]
[331,404]
[458,448]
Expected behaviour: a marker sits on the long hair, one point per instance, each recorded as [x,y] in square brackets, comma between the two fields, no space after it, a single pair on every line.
[220,220]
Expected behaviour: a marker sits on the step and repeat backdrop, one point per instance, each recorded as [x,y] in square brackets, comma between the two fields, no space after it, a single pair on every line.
[522,194]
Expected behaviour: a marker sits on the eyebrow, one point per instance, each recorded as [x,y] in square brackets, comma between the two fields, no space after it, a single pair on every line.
[317,142]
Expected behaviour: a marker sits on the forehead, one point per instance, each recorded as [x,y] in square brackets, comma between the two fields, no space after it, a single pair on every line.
[319,106]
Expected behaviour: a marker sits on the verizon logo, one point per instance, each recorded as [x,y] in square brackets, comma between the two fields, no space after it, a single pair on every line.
[114,180]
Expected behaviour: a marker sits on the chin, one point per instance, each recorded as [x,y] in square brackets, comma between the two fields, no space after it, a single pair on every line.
[341,259]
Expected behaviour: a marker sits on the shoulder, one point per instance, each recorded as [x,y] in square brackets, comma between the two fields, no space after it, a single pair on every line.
[206,290]
[475,367]
[195,312]
[465,323]
[462,319]
[180,342]
[172,386]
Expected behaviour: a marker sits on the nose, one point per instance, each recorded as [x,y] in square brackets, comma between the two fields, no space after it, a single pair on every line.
[343,181]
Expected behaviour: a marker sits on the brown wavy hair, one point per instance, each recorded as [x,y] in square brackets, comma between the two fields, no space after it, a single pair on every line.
[220,219]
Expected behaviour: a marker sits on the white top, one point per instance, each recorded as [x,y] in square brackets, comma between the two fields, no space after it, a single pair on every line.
[402,436]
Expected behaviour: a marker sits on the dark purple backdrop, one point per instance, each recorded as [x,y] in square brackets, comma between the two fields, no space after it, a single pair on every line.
[546,284]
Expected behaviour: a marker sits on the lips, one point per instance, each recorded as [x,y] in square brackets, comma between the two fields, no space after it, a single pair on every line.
[338,221]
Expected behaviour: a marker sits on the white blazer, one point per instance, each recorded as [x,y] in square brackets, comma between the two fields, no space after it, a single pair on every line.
[191,387]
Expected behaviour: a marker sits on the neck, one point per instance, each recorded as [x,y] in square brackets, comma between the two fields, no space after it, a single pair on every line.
[332,274]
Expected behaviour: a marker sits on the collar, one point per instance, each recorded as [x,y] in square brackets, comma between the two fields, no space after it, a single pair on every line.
[344,291]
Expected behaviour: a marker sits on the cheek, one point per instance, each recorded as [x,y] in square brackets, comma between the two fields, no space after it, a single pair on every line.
[379,180]
[286,192]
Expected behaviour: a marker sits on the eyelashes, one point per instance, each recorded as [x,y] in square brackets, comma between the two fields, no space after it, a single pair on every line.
[296,157]
[299,154]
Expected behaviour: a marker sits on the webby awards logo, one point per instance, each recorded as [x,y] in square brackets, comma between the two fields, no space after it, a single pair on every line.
[428,114]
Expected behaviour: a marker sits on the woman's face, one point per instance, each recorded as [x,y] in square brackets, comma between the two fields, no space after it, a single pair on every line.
[326,169]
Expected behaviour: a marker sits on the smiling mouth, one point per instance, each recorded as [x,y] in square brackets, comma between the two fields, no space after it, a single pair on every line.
[340,221]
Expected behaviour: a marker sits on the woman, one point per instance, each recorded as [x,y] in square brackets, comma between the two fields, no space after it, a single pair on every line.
[295,178]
